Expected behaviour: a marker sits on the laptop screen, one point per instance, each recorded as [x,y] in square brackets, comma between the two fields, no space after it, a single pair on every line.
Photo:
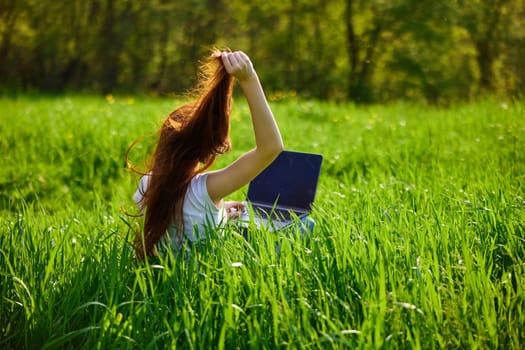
[290,181]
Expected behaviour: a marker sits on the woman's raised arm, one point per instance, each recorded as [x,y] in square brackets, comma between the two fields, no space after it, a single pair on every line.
[268,141]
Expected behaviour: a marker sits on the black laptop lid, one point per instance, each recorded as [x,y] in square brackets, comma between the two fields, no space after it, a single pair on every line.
[290,181]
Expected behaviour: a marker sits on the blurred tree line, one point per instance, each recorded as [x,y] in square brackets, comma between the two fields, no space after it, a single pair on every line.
[362,50]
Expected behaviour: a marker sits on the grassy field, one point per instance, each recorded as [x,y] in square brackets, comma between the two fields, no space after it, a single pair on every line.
[419,241]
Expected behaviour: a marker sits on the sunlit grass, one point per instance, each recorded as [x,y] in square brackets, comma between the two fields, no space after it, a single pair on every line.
[419,241]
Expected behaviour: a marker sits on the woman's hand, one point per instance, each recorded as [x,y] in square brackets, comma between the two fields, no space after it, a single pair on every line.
[238,64]
[233,209]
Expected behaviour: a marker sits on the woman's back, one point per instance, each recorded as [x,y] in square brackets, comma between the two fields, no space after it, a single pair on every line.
[199,212]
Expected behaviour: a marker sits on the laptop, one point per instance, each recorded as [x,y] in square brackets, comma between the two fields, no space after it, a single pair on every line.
[284,191]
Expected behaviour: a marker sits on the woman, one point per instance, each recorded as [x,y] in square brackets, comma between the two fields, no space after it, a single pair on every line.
[179,198]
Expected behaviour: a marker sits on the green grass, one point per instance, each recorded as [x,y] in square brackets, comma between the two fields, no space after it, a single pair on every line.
[419,241]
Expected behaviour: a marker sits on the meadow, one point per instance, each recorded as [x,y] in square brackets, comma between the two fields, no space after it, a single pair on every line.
[419,240]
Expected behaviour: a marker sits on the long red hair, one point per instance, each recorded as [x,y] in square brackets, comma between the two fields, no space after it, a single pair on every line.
[190,139]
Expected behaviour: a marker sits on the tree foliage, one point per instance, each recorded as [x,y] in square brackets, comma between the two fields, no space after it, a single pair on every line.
[363,50]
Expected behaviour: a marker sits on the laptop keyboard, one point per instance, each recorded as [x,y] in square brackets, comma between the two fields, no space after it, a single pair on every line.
[279,218]
[277,214]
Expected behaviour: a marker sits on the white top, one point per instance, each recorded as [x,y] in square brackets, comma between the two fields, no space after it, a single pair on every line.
[198,210]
